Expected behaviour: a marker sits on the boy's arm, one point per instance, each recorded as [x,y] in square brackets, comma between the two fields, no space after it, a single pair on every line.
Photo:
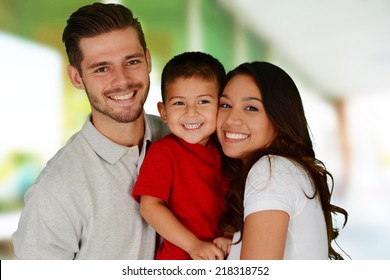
[224,243]
[169,227]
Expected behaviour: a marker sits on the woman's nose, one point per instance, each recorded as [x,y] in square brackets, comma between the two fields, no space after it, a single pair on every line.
[233,118]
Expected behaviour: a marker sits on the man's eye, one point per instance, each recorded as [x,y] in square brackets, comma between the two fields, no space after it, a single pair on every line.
[101,70]
[133,62]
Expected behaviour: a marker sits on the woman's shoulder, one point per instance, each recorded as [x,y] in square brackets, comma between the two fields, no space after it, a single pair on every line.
[280,173]
[279,168]
[277,163]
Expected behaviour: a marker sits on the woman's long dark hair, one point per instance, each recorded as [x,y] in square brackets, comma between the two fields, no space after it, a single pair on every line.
[284,108]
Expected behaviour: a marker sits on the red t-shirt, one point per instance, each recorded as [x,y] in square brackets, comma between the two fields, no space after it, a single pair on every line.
[188,177]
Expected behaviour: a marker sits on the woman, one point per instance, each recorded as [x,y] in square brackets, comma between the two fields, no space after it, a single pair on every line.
[278,203]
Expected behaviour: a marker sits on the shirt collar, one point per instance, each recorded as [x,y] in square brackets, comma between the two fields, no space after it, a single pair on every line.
[107,149]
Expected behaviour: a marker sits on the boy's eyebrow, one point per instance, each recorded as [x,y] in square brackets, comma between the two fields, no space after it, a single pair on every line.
[209,95]
[181,96]
[176,97]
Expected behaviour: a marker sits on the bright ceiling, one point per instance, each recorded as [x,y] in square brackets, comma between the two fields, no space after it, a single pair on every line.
[341,46]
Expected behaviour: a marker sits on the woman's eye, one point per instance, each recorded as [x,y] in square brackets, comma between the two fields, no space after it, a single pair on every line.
[251,108]
[224,105]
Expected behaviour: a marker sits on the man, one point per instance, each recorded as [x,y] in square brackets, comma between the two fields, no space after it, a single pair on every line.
[80,206]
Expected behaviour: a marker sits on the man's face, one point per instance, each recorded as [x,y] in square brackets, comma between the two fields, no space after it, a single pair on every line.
[115,75]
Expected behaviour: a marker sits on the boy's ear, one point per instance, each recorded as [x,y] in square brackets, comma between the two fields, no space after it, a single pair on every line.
[75,77]
[162,111]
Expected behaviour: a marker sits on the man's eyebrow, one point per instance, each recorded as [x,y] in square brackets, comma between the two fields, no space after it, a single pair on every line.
[104,63]
[97,64]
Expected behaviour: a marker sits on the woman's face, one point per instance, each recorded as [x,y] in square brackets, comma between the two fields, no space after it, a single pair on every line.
[242,124]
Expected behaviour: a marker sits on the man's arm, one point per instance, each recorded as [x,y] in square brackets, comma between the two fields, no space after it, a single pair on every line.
[44,230]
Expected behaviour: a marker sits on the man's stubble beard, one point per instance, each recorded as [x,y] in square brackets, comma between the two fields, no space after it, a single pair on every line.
[131,114]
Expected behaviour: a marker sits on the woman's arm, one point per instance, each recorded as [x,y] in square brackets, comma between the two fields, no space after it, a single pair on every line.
[264,235]
[170,228]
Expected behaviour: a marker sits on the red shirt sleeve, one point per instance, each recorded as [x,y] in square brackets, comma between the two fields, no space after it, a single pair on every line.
[156,174]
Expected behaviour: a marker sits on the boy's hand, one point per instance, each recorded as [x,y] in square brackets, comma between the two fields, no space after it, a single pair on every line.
[206,251]
[224,243]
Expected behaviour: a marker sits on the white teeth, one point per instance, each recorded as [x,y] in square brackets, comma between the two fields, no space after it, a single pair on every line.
[192,126]
[123,97]
[236,136]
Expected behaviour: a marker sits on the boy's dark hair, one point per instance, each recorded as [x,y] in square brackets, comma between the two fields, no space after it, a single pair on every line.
[192,64]
[96,19]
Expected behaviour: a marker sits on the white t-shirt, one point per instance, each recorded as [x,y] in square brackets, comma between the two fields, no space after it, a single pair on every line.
[277,183]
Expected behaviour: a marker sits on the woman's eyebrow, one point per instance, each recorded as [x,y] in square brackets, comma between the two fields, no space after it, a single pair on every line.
[250,98]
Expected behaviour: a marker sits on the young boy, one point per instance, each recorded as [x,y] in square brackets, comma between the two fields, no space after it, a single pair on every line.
[180,186]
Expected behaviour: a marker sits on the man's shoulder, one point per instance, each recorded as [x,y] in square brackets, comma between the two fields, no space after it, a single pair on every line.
[168,141]
[157,127]
[69,158]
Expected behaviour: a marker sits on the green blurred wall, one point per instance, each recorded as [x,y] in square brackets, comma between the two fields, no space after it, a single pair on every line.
[165,25]
[166,28]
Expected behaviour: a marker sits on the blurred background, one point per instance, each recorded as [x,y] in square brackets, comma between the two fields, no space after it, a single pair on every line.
[338,52]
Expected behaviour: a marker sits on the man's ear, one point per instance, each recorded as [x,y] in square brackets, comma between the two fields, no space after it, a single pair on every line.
[75,77]
[149,60]
[162,111]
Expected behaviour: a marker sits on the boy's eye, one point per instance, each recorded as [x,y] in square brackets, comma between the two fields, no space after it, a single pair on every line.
[178,103]
[204,101]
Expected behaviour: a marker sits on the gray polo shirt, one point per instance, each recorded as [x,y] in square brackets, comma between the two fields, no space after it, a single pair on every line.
[81,207]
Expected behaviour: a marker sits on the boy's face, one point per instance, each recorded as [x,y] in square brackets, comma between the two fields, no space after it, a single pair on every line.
[190,109]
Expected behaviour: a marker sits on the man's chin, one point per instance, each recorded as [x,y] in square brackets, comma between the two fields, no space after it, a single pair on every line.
[127,118]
